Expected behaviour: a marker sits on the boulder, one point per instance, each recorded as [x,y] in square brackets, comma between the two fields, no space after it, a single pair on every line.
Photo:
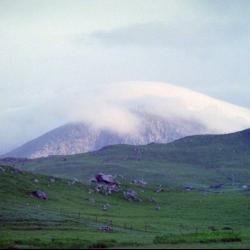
[131,195]
[36,181]
[2,170]
[106,229]
[105,207]
[158,208]
[52,180]
[104,178]
[39,195]
[75,180]
[189,188]
[106,189]
[105,184]
[140,183]
[246,187]
[159,189]
[153,200]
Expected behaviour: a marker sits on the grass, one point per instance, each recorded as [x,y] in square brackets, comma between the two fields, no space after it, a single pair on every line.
[70,218]
[207,237]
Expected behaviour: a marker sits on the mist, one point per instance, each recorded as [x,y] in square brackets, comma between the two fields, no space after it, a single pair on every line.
[116,106]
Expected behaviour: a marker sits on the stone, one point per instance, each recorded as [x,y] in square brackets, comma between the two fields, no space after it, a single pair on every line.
[39,195]
[131,195]
[140,183]
[106,229]
[103,178]
[52,180]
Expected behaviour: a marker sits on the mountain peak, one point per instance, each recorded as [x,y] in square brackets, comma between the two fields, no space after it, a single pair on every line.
[139,113]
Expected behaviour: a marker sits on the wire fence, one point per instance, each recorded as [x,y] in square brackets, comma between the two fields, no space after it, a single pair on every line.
[19,213]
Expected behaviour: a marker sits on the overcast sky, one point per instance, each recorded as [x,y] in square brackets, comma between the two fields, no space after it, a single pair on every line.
[54,51]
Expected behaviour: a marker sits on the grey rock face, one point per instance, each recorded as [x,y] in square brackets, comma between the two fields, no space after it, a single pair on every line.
[75,138]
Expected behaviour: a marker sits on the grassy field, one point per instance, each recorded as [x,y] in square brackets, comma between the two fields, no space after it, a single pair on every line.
[72,217]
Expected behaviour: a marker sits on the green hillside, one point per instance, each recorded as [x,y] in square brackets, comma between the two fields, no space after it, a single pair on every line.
[197,161]
[70,218]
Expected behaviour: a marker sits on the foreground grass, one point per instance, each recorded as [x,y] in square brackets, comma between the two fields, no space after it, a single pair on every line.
[70,218]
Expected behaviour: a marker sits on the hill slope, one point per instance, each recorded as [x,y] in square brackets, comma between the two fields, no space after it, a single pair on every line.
[198,161]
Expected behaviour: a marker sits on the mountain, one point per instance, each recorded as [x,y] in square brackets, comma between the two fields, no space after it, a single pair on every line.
[75,138]
[197,161]
[139,113]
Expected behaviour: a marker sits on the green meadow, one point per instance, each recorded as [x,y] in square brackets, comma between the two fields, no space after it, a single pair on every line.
[73,216]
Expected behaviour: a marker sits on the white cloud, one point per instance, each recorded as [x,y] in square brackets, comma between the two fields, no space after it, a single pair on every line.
[170,101]
[115,107]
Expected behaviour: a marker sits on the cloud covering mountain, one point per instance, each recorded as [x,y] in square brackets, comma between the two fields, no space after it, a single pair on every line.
[134,113]
[116,105]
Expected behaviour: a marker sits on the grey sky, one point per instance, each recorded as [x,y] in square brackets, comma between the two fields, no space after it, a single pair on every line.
[51,50]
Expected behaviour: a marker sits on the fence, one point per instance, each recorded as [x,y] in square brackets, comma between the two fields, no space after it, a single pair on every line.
[11,213]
